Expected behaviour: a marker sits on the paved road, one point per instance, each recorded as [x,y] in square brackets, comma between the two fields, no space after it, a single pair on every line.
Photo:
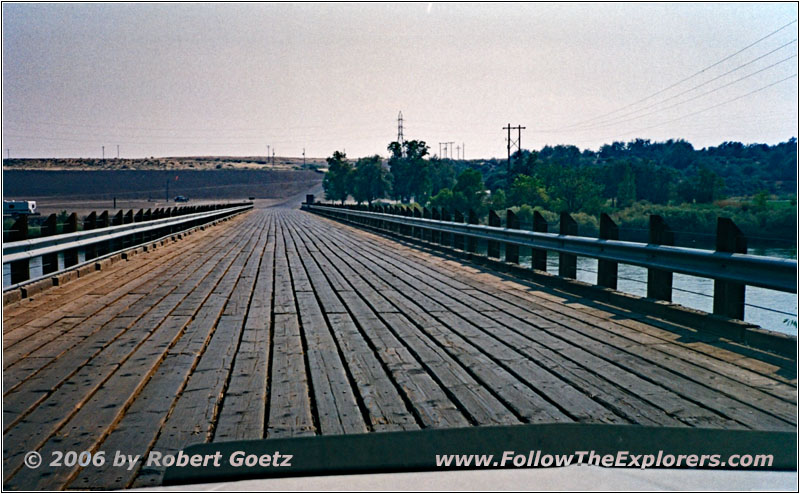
[280,323]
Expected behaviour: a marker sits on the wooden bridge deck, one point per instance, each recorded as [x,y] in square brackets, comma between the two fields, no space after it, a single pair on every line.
[281,323]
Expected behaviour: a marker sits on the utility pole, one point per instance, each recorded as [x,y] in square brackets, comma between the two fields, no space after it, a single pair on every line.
[458,152]
[273,156]
[451,149]
[512,143]
[267,152]
[304,156]
[104,151]
[441,156]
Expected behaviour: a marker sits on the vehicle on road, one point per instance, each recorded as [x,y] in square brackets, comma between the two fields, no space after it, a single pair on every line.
[16,208]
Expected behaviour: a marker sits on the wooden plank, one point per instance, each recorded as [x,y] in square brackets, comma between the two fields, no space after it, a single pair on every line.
[289,397]
[783,410]
[189,384]
[472,316]
[48,419]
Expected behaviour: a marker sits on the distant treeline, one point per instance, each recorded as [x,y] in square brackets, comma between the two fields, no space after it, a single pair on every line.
[753,184]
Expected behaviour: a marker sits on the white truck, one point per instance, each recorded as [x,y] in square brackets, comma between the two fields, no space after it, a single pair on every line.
[16,208]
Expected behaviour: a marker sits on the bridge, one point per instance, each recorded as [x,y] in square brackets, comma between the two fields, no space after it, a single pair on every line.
[277,322]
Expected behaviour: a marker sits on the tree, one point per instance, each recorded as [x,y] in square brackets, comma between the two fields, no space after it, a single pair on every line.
[497,201]
[626,194]
[527,190]
[411,176]
[370,180]
[337,180]
[574,190]
[471,189]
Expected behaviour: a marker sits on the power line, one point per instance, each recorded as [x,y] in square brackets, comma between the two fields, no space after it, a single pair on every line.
[682,80]
[616,120]
[705,109]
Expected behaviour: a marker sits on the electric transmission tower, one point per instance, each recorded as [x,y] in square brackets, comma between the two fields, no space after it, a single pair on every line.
[400,138]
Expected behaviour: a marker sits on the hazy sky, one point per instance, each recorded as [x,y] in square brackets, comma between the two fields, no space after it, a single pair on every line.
[229,79]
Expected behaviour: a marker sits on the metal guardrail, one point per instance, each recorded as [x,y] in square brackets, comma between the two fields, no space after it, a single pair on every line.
[733,270]
[18,254]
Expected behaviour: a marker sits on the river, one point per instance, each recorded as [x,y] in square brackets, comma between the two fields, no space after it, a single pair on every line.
[769,309]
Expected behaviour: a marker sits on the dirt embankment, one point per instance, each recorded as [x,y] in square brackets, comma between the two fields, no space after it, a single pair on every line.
[163,164]
[65,187]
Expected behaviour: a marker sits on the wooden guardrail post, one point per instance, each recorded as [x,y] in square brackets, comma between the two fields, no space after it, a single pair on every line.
[427,233]
[103,222]
[567,263]
[512,250]
[71,226]
[458,240]
[472,242]
[50,261]
[729,297]
[447,238]
[417,231]
[148,216]
[408,230]
[436,234]
[493,247]
[659,282]
[20,270]
[90,223]
[539,256]
[137,218]
[607,270]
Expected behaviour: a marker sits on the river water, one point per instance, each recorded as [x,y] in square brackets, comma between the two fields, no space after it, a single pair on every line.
[769,309]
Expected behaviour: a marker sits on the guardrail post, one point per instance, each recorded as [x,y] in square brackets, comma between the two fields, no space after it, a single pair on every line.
[436,235]
[446,238]
[417,232]
[493,247]
[71,255]
[729,297]
[512,250]
[137,218]
[539,256]
[148,216]
[659,282]
[567,263]
[103,221]
[472,242]
[607,270]
[50,261]
[90,223]
[458,240]
[427,233]
[20,270]
[405,229]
